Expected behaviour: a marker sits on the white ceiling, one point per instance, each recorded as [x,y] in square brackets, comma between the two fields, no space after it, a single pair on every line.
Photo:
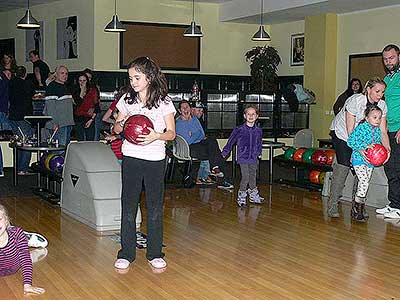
[248,11]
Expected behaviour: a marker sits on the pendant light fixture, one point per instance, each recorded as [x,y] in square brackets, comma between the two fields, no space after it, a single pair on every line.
[193,30]
[115,25]
[261,34]
[28,21]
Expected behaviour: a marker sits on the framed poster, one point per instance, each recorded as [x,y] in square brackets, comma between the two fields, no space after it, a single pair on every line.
[34,40]
[164,43]
[297,50]
[67,38]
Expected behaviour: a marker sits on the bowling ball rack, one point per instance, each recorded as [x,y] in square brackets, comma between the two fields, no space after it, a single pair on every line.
[299,173]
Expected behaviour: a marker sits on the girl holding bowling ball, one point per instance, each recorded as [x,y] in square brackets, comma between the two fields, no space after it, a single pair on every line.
[352,112]
[144,160]
[364,136]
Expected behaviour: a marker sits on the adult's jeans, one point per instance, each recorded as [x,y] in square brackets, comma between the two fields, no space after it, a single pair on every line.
[135,172]
[4,122]
[204,169]
[85,134]
[63,135]
[392,170]
[97,126]
[24,157]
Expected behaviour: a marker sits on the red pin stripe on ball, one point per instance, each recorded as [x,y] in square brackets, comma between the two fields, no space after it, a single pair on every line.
[137,125]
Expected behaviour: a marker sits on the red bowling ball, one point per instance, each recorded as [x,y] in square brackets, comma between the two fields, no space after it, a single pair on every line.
[319,157]
[377,155]
[137,125]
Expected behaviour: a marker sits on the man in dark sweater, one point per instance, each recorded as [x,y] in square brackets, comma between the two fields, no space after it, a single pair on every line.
[40,69]
[21,92]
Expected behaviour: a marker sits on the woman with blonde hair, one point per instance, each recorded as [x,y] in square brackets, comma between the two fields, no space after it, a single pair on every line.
[352,112]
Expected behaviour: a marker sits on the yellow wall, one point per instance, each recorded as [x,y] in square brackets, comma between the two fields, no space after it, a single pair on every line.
[281,40]
[320,69]
[364,32]
[48,14]
[222,47]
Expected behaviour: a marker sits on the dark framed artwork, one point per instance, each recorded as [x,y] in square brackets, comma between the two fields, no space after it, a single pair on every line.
[67,38]
[34,40]
[365,66]
[7,46]
[164,43]
[297,50]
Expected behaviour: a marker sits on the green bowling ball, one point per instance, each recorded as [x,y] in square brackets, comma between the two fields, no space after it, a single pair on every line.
[289,153]
[307,155]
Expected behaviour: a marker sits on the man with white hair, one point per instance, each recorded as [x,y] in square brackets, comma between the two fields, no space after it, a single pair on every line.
[59,106]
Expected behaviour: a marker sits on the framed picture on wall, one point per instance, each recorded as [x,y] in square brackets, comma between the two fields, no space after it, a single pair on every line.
[297,50]
[67,38]
[34,40]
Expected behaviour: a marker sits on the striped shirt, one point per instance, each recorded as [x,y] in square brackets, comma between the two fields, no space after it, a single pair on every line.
[15,255]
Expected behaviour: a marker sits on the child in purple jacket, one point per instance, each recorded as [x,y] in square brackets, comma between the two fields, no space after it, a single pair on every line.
[248,138]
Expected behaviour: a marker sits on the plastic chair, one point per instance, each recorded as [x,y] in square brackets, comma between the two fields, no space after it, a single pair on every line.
[304,138]
[181,153]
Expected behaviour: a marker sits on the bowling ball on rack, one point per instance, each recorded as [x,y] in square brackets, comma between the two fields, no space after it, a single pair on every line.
[137,125]
[376,155]
[330,154]
[56,163]
[289,153]
[321,177]
[298,154]
[43,159]
[319,157]
[307,155]
[47,160]
[314,176]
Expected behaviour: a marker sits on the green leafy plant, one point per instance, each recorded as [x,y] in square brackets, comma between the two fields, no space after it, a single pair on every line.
[264,63]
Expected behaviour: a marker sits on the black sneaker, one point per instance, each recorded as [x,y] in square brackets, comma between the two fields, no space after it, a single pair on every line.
[225,185]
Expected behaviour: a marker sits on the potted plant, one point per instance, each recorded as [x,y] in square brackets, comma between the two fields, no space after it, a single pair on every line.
[264,63]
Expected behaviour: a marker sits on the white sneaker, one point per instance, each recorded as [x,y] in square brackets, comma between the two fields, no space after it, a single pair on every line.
[1,173]
[393,214]
[158,263]
[36,240]
[384,210]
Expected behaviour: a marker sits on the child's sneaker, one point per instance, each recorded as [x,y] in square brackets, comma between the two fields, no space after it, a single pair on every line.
[241,199]
[254,196]
[36,240]
[158,263]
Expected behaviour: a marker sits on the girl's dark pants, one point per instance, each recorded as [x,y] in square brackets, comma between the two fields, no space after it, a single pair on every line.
[136,172]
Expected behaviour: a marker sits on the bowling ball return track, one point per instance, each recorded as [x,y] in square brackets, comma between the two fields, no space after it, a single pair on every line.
[49,186]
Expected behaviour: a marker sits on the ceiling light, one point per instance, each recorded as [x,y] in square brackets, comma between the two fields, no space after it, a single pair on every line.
[28,21]
[115,25]
[261,34]
[193,30]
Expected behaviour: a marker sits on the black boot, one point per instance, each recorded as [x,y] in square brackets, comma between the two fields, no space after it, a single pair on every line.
[357,212]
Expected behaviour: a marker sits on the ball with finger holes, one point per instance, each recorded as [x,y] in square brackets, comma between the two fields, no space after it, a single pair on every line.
[137,125]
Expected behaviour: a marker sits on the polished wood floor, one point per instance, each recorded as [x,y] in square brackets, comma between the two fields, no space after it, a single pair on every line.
[286,250]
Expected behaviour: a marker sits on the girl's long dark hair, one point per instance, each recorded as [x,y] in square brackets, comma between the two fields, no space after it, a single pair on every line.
[158,87]
[87,82]
[350,91]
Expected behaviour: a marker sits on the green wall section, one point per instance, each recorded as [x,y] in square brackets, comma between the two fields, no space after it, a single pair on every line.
[320,69]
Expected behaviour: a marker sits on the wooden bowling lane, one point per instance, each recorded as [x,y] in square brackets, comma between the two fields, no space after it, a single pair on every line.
[215,250]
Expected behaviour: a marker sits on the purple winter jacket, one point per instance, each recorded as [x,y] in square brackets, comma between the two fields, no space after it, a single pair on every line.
[249,144]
